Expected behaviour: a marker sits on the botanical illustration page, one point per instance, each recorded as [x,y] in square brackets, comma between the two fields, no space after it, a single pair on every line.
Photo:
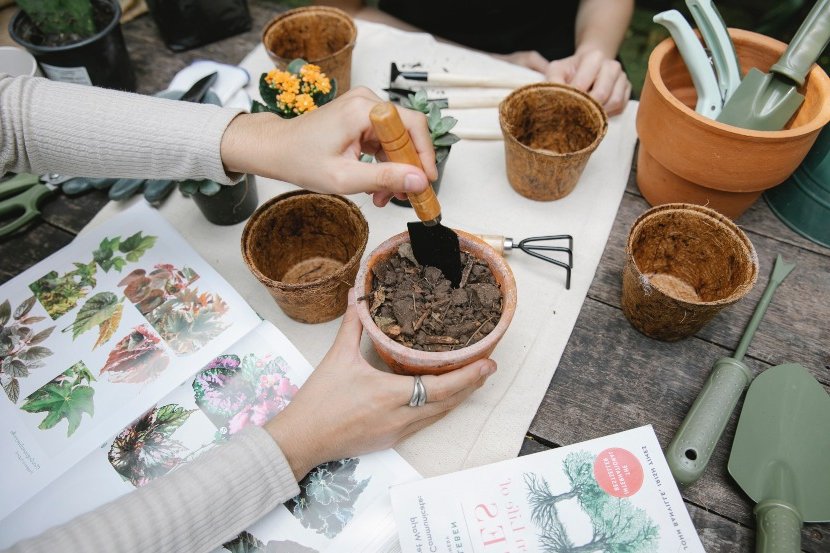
[614,493]
[343,505]
[94,335]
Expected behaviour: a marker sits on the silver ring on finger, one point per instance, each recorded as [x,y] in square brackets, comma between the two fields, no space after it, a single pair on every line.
[419,393]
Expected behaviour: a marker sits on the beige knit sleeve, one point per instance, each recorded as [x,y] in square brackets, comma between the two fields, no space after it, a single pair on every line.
[48,126]
[196,508]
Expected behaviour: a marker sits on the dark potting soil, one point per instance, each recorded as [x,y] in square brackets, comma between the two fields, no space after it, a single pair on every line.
[102,13]
[417,307]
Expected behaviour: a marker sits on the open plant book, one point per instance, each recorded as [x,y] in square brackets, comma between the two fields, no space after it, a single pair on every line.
[123,357]
[614,493]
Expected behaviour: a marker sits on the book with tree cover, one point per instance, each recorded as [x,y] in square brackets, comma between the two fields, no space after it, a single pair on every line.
[168,362]
[611,494]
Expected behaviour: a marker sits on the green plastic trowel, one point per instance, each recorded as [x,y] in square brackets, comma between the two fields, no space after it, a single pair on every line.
[780,455]
[766,101]
[692,446]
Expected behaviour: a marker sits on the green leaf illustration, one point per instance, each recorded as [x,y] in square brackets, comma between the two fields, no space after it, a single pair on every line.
[136,245]
[16,368]
[95,311]
[12,389]
[35,353]
[5,312]
[24,308]
[65,397]
[41,336]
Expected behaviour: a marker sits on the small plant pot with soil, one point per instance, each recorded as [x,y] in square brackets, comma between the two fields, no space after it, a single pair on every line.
[550,131]
[321,35]
[305,248]
[98,58]
[418,323]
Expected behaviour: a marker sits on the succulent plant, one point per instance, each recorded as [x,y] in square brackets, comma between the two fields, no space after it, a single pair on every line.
[68,18]
[439,126]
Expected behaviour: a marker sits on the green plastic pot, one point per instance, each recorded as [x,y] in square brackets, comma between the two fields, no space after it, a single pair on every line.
[802,202]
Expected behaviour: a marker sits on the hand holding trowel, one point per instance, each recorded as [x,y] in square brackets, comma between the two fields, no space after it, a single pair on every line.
[766,101]
[433,244]
[692,446]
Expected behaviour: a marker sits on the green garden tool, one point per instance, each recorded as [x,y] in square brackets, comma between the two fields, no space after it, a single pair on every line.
[766,101]
[692,446]
[780,455]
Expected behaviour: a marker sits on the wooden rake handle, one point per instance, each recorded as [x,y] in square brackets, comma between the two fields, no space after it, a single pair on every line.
[399,148]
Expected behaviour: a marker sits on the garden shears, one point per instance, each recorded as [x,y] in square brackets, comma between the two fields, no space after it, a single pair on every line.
[20,197]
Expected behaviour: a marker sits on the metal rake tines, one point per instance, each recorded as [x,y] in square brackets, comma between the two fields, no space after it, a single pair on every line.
[532,247]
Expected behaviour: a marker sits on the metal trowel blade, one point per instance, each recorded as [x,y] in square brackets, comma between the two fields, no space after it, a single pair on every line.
[437,246]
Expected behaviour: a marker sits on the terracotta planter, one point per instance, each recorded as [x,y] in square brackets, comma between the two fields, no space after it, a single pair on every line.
[404,360]
[550,130]
[685,157]
[320,35]
[305,248]
[684,264]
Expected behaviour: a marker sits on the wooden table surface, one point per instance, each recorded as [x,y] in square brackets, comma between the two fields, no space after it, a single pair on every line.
[611,378]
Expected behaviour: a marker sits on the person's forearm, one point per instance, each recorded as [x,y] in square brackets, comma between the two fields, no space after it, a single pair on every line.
[87,131]
[196,508]
[602,24]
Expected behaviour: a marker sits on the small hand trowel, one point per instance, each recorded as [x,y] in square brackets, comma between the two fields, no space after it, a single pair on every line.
[692,446]
[780,455]
[439,78]
[766,101]
[433,244]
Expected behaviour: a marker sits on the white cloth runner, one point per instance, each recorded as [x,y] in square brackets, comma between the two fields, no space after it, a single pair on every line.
[475,196]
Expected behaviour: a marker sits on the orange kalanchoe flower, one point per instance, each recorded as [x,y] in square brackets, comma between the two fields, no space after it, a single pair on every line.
[304,103]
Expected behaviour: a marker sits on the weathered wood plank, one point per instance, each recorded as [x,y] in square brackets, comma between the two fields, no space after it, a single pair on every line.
[715,532]
[71,214]
[795,327]
[25,248]
[612,378]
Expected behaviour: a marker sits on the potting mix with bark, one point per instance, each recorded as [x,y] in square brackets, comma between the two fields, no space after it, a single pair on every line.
[417,307]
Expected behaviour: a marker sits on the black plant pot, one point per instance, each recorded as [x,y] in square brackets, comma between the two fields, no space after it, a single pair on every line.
[100,60]
[186,24]
[441,163]
[231,205]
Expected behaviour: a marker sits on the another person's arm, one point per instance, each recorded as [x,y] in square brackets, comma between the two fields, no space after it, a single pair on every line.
[87,131]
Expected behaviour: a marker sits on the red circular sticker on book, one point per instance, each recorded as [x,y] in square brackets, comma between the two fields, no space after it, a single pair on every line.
[618,472]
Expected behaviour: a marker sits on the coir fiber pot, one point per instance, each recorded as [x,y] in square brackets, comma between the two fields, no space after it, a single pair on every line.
[685,157]
[803,201]
[232,204]
[404,360]
[305,248]
[320,35]
[100,60]
[684,263]
[550,130]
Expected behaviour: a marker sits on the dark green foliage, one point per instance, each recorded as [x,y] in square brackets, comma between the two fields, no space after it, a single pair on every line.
[439,126]
[61,17]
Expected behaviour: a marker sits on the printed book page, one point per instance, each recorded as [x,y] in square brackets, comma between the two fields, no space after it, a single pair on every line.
[614,493]
[343,505]
[94,335]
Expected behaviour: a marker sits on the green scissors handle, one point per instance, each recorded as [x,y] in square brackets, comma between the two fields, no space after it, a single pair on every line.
[23,193]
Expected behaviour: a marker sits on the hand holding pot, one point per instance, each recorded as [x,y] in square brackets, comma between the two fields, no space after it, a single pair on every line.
[334,136]
[347,407]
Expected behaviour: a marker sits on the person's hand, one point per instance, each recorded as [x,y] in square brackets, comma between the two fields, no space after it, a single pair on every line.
[348,408]
[320,150]
[593,72]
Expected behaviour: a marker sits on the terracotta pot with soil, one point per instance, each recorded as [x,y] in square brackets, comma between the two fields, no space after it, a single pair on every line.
[305,248]
[550,131]
[320,35]
[100,59]
[428,327]
[685,157]
[684,264]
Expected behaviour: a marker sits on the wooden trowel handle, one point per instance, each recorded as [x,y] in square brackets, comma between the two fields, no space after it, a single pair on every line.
[399,148]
